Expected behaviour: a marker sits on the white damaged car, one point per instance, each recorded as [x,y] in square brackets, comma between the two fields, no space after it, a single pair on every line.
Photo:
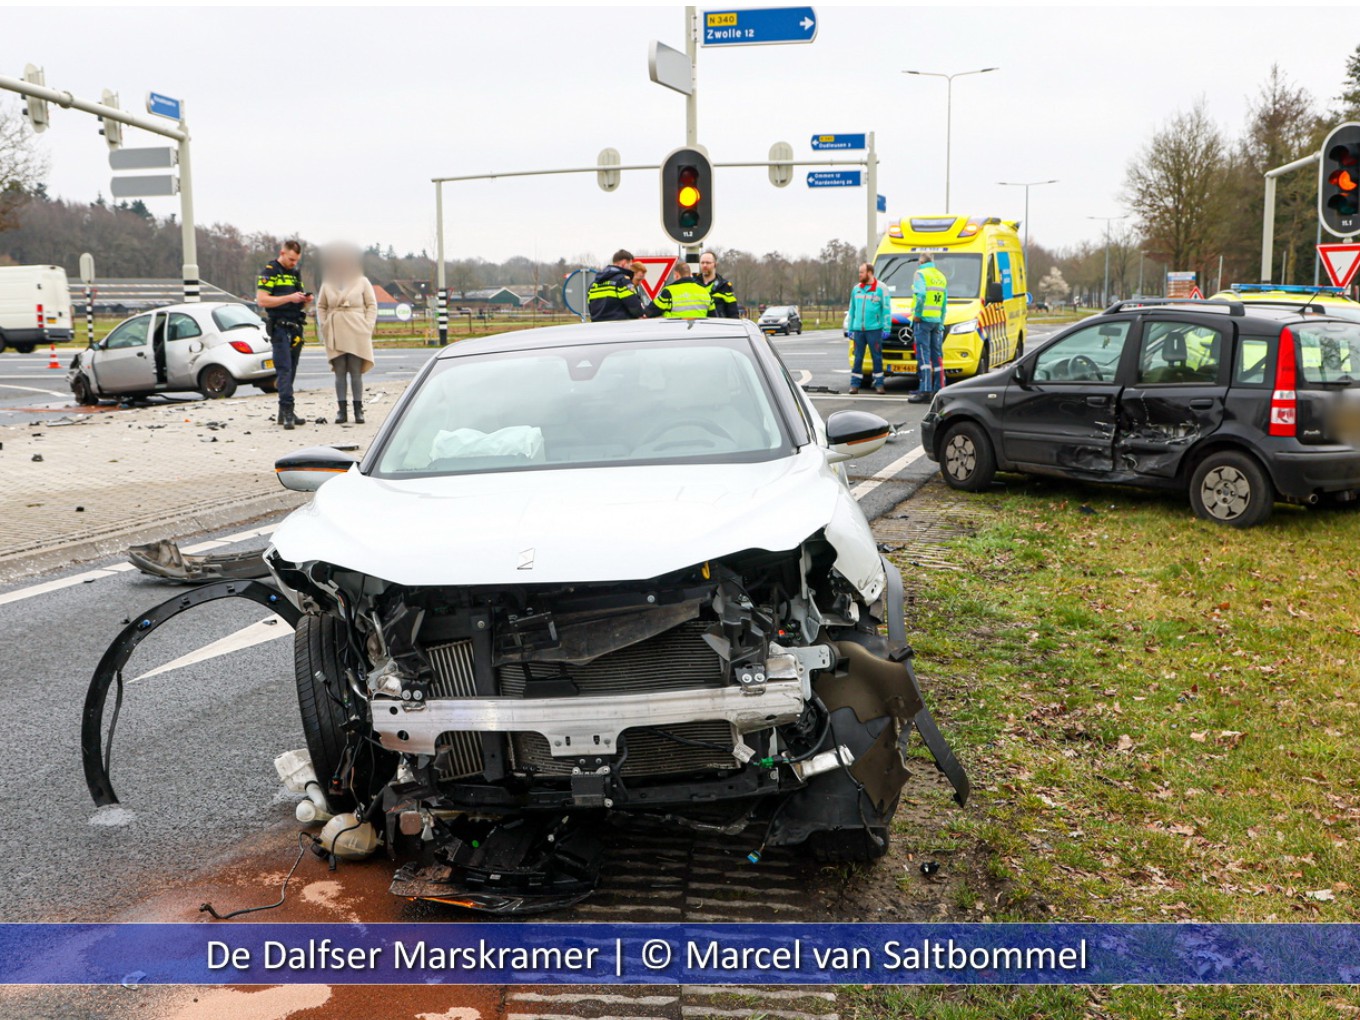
[608,569]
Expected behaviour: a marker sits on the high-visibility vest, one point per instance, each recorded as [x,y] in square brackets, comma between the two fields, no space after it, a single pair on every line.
[685,299]
[931,290]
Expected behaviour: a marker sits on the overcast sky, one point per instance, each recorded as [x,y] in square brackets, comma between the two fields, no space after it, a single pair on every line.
[330,122]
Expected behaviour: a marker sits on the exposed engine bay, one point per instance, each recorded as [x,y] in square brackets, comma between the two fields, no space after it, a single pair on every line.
[482,734]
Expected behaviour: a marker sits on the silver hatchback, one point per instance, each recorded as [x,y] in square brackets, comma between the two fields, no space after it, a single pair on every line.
[211,347]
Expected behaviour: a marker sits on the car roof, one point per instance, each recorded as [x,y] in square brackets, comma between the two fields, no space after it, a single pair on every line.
[184,306]
[621,332]
[1278,311]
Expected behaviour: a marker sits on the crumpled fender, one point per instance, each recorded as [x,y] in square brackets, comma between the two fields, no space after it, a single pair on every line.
[109,673]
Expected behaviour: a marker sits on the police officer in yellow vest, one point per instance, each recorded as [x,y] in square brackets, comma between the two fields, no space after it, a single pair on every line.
[931,292]
[682,298]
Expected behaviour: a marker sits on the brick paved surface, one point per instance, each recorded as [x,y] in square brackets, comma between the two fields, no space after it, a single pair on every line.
[164,471]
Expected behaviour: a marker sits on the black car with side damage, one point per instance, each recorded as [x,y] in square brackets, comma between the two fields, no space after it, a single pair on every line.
[1240,406]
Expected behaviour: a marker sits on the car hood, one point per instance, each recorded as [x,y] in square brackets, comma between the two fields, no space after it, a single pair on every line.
[584,525]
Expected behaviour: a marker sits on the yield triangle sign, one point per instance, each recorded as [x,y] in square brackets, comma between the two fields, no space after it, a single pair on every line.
[654,280]
[1196,294]
[1341,262]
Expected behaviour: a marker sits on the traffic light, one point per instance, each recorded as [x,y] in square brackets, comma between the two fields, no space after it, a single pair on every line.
[687,196]
[1339,186]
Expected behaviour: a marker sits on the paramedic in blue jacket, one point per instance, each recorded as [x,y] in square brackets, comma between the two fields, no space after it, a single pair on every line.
[869,323]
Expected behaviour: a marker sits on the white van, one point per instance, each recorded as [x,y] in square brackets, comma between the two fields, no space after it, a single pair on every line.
[35,307]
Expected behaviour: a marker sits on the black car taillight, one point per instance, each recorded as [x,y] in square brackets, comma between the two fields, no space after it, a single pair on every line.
[1284,404]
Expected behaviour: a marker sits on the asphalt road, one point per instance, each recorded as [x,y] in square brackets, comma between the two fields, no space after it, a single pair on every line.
[192,762]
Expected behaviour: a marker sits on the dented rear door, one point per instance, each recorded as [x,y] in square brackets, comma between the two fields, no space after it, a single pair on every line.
[1175,394]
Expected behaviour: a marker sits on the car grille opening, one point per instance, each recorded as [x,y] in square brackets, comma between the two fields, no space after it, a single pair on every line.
[458,755]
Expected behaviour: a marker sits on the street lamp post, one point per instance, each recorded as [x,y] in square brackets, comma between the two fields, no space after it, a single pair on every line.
[1026,185]
[949,115]
[1105,293]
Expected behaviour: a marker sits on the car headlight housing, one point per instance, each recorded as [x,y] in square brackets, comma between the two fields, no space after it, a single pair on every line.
[964,327]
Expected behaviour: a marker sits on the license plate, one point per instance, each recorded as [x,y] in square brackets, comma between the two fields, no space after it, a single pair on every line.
[267,363]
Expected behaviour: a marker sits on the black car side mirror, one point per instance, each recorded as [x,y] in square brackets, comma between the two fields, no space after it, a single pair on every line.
[995,294]
[1021,372]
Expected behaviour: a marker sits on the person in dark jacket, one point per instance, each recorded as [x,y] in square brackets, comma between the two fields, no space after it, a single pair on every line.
[611,296]
[724,297]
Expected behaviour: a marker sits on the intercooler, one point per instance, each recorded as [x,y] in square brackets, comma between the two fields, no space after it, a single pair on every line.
[679,659]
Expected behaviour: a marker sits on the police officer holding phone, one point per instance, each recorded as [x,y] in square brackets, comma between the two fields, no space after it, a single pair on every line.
[280,293]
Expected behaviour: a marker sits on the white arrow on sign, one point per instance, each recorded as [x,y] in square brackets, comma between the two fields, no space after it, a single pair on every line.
[1341,262]
[806,23]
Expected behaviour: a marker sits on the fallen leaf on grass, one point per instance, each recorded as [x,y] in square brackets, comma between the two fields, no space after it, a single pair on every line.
[1199,737]
[1125,743]
[1324,895]
[1231,738]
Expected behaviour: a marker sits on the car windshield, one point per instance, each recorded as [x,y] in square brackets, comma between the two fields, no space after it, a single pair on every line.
[961,269]
[777,312]
[232,316]
[589,405]
[1329,352]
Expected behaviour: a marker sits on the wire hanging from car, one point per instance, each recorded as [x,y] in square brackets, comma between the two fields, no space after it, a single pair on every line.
[283,892]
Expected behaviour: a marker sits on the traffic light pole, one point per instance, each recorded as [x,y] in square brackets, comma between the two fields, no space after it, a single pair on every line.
[692,251]
[156,126]
[1268,220]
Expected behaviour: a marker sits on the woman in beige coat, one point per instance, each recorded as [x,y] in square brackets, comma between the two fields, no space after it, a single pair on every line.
[346,312]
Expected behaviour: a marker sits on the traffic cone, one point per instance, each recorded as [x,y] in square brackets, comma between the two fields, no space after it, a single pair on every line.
[54,363]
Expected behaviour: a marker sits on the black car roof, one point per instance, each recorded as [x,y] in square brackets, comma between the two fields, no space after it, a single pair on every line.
[1272,312]
[621,332]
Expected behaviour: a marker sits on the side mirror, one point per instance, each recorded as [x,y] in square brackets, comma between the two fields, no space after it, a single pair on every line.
[851,434]
[308,469]
[995,294]
[1020,373]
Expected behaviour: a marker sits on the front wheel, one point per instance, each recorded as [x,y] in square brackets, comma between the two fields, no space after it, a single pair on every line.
[1231,488]
[967,460]
[215,382]
[24,348]
[80,389]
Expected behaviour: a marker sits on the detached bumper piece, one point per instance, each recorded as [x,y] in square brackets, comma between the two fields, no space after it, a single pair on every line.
[530,865]
[95,748]
[165,560]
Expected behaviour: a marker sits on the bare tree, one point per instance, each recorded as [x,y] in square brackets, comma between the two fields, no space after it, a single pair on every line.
[22,166]
[1053,287]
[1178,188]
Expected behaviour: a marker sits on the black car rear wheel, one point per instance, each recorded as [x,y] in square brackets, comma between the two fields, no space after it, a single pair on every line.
[1230,488]
[967,459]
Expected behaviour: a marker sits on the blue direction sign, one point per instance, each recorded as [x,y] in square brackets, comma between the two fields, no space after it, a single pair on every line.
[834,178]
[163,106]
[882,203]
[759,26]
[839,142]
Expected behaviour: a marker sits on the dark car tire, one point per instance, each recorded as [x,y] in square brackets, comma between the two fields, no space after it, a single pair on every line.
[216,383]
[316,646]
[967,459]
[80,389]
[268,385]
[1231,488]
[24,348]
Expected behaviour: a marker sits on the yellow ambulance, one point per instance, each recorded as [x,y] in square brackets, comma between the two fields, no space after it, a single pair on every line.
[984,262]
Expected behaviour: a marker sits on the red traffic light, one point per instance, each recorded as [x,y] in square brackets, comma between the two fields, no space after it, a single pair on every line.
[1343,180]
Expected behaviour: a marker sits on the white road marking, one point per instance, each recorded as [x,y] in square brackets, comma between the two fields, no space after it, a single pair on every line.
[804,377]
[888,473]
[31,389]
[19,594]
[268,629]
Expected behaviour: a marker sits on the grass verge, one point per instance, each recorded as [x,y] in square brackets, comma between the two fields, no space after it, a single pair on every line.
[1160,719]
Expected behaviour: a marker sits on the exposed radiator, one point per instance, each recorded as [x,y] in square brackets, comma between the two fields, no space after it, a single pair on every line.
[649,753]
[453,677]
[674,661]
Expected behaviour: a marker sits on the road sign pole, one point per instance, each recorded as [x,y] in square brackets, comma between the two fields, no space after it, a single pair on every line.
[1268,219]
[441,283]
[192,287]
[692,251]
[871,194]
